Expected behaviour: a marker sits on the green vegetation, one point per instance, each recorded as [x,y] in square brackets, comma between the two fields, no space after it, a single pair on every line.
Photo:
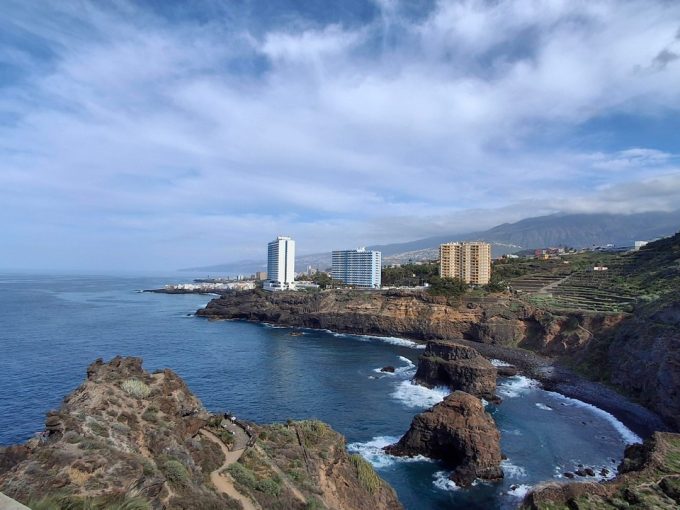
[365,472]
[449,287]
[409,275]
[136,388]
[176,473]
[68,502]
[323,280]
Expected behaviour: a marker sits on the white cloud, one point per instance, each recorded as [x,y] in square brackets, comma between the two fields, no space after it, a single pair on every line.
[387,131]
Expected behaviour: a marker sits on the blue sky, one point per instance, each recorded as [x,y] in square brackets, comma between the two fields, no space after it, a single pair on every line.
[158,135]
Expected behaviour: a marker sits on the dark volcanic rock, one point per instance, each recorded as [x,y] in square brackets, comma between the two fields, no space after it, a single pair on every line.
[457,366]
[388,368]
[460,433]
[507,370]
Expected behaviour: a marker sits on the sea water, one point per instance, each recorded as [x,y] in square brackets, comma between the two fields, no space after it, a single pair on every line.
[52,327]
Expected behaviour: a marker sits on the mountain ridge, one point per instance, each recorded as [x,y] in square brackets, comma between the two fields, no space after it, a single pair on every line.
[577,230]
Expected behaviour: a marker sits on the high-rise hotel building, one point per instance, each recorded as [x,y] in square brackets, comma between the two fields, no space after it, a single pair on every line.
[280,264]
[357,267]
[471,262]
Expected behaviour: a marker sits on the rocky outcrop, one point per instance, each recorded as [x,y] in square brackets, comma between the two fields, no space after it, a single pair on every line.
[498,319]
[458,432]
[458,367]
[129,437]
[649,477]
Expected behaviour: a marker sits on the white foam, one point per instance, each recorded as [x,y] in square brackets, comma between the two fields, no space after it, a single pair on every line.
[373,452]
[516,385]
[520,491]
[417,396]
[543,406]
[372,338]
[441,481]
[513,471]
[499,363]
[626,434]
[408,369]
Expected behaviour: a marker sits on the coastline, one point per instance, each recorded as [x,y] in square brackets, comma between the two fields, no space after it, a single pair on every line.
[551,376]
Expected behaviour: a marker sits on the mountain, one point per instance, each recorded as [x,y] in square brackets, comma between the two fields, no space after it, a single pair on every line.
[574,230]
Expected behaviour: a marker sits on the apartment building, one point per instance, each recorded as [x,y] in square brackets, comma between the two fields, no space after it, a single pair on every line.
[357,267]
[469,261]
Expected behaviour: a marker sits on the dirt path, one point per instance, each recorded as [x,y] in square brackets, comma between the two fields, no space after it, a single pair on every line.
[224,483]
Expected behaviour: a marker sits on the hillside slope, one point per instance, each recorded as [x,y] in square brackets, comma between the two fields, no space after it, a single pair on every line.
[130,439]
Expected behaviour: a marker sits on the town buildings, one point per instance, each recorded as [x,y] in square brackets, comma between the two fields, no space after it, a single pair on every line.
[469,261]
[357,267]
[280,264]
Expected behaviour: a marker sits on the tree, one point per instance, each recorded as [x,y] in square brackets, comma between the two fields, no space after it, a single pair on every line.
[449,287]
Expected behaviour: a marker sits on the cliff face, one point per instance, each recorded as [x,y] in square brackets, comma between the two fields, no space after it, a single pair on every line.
[649,478]
[460,433]
[138,440]
[498,320]
[457,366]
[642,357]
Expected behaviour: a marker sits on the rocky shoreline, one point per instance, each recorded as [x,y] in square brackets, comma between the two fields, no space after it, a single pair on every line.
[499,328]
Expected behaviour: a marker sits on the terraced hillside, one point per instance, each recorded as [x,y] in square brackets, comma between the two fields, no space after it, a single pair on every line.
[572,283]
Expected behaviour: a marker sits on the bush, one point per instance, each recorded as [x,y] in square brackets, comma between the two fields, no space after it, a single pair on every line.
[449,287]
[176,473]
[269,486]
[242,475]
[136,388]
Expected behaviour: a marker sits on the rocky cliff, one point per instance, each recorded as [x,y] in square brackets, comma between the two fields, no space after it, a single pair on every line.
[458,432]
[649,478]
[127,438]
[458,367]
[498,319]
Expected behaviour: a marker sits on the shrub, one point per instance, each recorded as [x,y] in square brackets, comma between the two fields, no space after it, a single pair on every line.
[136,388]
[150,416]
[269,486]
[176,473]
[242,475]
[367,477]
[99,429]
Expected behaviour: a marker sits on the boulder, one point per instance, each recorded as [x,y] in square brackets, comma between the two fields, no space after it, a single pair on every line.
[458,432]
[458,367]
[388,368]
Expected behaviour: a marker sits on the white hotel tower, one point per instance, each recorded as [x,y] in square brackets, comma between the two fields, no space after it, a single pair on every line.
[280,264]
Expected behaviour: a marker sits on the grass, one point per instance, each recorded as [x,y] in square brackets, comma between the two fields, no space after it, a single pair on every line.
[68,502]
[136,388]
[365,472]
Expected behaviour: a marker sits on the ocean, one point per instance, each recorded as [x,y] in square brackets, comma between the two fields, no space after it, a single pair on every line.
[53,327]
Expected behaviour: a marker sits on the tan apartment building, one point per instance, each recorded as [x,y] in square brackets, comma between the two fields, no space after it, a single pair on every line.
[471,262]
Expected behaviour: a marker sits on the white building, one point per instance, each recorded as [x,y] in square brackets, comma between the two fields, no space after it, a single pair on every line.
[357,267]
[280,264]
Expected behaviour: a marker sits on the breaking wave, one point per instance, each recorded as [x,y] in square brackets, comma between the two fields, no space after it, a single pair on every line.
[441,481]
[373,452]
[516,386]
[417,396]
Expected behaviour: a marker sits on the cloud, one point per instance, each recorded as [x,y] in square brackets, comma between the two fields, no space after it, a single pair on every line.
[194,139]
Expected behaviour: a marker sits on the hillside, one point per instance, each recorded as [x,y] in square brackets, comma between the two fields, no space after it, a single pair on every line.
[129,439]
[574,230]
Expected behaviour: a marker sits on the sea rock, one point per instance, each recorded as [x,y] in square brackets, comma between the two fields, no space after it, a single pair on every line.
[458,432]
[457,366]
[388,368]
[507,370]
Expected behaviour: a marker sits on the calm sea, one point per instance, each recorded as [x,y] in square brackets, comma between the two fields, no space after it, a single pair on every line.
[52,327]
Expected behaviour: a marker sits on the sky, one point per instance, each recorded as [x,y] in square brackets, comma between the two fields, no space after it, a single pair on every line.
[157,135]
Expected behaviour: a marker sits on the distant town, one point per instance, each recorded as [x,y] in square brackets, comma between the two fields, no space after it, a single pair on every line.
[469,263]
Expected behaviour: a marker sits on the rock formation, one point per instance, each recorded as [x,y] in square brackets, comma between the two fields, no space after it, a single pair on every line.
[458,432]
[130,438]
[458,367]
[649,477]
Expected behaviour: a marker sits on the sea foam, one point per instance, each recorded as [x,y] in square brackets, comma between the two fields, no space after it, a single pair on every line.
[417,396]
[626,434]
[442,482]
[516,386]
[373,452]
